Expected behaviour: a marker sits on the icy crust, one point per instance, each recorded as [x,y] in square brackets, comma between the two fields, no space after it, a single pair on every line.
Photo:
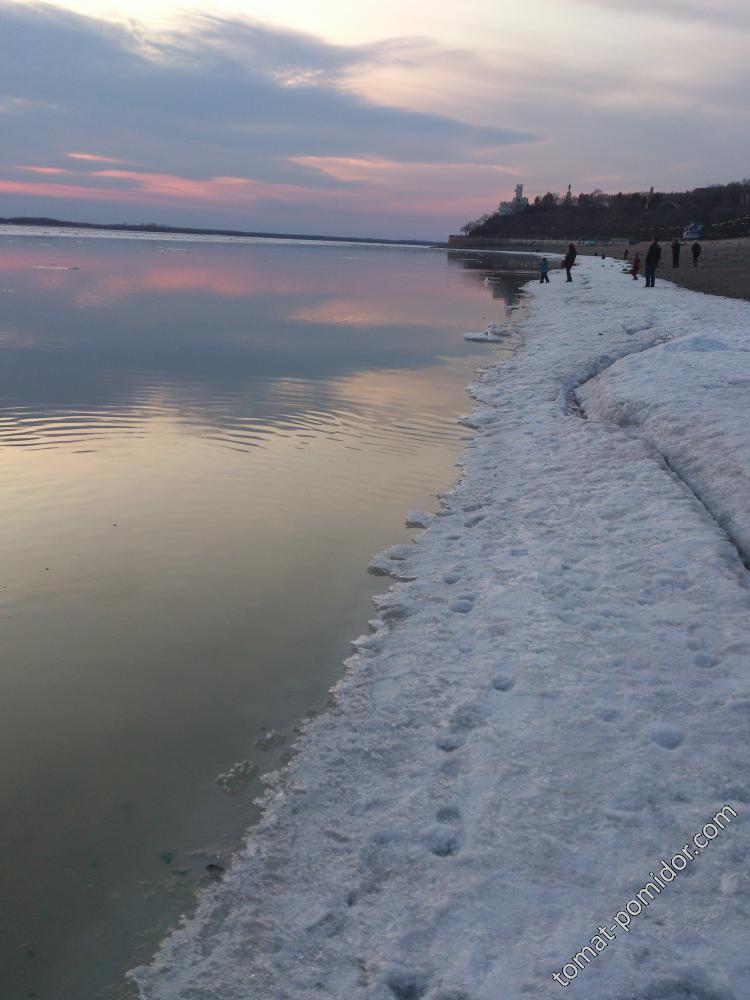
[691,399]
[557,700]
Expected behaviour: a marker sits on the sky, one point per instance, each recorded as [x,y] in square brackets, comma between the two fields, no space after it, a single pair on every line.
[385,118]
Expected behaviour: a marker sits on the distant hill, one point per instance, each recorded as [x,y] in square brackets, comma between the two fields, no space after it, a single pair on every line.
[723,210]
[152,227]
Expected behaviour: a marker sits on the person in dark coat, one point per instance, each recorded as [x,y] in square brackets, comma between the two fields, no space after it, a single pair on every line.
[544,271]
[569,259]
[636,266]
[653,256]
[695,250]
[676,253]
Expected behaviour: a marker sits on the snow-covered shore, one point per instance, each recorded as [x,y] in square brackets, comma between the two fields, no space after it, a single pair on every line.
[556,699]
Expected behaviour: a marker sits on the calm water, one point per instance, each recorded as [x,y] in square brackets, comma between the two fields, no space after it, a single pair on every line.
[202,446]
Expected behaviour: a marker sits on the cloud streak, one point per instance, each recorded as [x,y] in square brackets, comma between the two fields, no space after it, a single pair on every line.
[220,112]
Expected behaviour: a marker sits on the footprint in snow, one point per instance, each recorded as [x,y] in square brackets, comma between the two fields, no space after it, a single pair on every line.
[502,683]
[465,718]
[463,603]
[407,985]
[470,522]
[395,612]
[442,843]
[669,737]
[706,661]
[462,606]
[448,814]
[451,577]
[448,743]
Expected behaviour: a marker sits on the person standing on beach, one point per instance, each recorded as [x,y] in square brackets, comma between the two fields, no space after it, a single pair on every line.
[544,268]
[636,266]
[695,250]
[676,253]
[569,259]
[652,262]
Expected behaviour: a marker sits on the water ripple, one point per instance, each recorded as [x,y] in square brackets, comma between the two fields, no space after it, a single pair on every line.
[288,409]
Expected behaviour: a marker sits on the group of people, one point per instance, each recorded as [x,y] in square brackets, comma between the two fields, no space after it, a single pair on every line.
[653,256]
[567,262]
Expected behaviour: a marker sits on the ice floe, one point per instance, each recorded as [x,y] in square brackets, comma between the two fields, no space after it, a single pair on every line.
[494,334]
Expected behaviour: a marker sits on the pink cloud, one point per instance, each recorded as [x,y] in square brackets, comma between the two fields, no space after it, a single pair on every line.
[93,156]
[172,186]
[53,189]
[431,189]
[154,187]
[45,170]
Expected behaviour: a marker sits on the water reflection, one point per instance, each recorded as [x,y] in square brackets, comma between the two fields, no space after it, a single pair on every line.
[130,332]
[201,451]
[500,272]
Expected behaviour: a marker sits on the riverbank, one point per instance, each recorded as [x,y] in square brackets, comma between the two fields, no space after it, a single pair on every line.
[554,699]
[723,268]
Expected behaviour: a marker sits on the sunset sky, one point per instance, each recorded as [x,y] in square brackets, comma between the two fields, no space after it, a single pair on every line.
[366,117]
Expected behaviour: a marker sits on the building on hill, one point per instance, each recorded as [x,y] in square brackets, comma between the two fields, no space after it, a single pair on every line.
[515,206]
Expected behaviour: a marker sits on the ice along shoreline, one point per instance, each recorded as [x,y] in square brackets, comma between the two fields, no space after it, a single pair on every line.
[555,695]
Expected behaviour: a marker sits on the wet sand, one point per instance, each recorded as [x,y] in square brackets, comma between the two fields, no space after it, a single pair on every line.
[723,267]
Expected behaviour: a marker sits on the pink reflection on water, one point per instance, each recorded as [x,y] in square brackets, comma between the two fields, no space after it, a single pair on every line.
[327,286]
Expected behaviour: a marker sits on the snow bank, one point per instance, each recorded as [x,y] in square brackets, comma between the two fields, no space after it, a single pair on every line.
[691,399]
[555,699]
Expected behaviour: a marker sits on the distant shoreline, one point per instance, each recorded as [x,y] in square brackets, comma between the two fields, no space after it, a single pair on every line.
[153,228]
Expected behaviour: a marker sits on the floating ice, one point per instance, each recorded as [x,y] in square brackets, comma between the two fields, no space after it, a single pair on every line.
[270,738]
[390,562]
[238,775]
[494,333]
[419,519]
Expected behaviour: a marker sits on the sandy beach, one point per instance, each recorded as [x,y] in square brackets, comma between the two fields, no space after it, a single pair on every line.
[723,268]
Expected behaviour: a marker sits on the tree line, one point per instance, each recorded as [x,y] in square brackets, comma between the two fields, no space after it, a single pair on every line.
[722,209]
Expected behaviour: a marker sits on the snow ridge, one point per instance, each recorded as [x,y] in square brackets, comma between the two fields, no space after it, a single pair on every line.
[553,698]
[707,447]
